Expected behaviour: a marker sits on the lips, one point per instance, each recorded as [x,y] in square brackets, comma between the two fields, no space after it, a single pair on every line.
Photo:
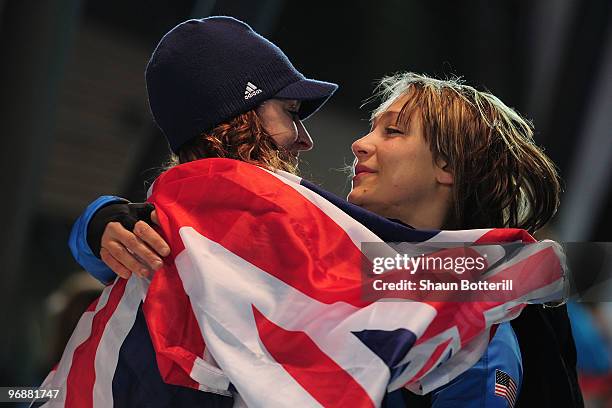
[360,172]
[361,169]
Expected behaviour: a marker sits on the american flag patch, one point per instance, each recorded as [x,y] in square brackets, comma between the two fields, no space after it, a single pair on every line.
[505,387]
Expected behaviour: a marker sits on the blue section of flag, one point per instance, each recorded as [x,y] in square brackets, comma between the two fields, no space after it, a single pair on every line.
[385,229]
[137,381]
[390,345]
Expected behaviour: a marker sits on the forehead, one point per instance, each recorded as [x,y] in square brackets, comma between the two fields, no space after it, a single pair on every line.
[398,110]
[281,103]
[386,116]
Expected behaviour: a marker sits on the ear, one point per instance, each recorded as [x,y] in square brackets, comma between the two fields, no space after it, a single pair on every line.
[443,174]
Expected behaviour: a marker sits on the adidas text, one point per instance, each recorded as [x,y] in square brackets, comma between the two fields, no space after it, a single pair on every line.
[252,94]
[251,90]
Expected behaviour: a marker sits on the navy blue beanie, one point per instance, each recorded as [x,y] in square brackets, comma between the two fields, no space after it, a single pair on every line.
[208,71]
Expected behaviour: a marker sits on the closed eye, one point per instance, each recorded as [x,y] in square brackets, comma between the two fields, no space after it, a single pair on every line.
[293,108]
[393,130]
[293,112]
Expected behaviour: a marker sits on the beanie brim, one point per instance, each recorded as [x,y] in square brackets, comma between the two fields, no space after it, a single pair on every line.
[312,93]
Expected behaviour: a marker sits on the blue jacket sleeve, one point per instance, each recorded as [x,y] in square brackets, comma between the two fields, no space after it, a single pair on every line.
[78,241]
[476,387]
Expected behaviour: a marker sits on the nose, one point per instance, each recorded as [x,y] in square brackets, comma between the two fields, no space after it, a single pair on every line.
[361,148]
[304,141]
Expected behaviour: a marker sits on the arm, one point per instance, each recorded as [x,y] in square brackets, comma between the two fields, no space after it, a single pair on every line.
[113,237]
[476,386]
[81,251]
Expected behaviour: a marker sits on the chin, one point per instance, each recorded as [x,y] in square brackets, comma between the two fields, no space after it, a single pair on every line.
[353,197]
[357,196]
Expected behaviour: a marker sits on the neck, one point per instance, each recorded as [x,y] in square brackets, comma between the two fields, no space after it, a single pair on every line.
[430,215]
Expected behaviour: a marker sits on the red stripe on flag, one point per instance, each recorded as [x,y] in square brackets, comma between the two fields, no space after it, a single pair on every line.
[500,390]
[503,392]
[498,235]
[314,370]
[92,306]
[82,375]
[174,329]
[433,359]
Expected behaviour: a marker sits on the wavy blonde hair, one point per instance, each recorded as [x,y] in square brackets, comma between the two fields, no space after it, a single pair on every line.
[501,177]
[242,138]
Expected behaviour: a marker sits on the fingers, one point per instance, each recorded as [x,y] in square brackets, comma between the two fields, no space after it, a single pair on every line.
[115,265]
[129,261]
[129,250]
[137,247]
[152,238]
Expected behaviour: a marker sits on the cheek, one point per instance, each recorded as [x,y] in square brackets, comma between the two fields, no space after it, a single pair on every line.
[396,167]
[411,179]
[283,131]
[371,194]
[402,174]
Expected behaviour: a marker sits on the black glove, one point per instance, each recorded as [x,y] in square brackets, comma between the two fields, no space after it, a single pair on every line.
[125,213]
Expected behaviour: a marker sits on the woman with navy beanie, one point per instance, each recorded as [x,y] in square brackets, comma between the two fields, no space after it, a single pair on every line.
[216,70]
[216,89]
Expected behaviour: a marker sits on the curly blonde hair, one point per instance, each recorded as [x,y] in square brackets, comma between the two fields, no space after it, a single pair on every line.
[501,177]
[242,138]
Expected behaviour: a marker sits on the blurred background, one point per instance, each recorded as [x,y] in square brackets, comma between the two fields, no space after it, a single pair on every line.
[75,123]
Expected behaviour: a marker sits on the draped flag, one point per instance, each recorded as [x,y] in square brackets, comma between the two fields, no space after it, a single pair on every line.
[262,297]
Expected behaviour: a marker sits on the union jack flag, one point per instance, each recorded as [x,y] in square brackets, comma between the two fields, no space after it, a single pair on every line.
[261,298]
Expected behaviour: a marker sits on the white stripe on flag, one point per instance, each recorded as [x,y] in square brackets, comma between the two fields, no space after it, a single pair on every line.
[80,334]
[209,377]
[459,235]
[115,332]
